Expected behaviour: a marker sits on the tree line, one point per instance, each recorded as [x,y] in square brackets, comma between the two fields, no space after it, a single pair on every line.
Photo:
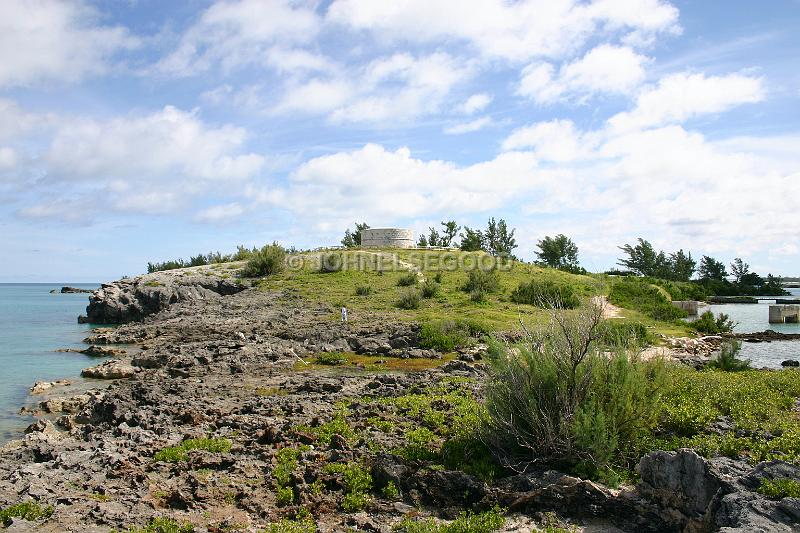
[643,260]
[496,239]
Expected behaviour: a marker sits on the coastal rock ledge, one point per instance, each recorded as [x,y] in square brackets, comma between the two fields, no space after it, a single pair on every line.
[130,300]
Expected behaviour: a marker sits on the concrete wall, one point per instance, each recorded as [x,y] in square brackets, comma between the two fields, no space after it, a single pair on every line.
[690,306]
[387,238]
[781,314]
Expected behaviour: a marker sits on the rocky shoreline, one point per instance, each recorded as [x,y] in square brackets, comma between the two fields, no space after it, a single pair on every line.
[220,360]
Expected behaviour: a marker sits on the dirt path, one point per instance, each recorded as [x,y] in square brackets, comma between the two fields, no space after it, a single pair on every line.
[609,310]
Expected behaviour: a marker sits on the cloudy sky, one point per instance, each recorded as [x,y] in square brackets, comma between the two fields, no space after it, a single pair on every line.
[142,130]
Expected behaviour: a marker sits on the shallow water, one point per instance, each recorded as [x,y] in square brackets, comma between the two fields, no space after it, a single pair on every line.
[755,317]
[33,324]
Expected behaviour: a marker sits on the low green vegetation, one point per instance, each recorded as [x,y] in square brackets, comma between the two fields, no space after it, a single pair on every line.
[174,454]
[545,294]
[727,360]
[302,523]
[467,522]
[210,258]
[650,300]
[756,407]
[363,290]
[780,488]
[409,299]
[330,262]
[625,334]
[286,464]
[162,525]
[356,482]
[447,335]
[408,279]
[430,289]
[484,281]
[27,511]
[266,261]
[331,359]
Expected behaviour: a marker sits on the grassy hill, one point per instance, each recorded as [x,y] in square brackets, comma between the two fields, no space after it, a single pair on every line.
[380,273]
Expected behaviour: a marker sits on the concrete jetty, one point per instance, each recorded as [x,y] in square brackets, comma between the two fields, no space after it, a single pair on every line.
[784,314]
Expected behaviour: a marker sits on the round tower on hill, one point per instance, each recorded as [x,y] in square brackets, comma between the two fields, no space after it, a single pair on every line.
[387,238]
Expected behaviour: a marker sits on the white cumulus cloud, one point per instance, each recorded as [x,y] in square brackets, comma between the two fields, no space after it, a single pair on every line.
[605,69]
[679,97]
[52,40]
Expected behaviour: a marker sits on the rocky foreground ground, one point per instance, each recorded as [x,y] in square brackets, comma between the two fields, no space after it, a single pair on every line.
[225,365]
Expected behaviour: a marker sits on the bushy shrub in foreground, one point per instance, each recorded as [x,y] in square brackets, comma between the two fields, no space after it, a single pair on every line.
[268,260]
[545,294]
[559,399]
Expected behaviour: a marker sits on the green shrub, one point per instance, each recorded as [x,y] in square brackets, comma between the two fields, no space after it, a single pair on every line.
[174,454]
[303,523]
[438,277]
[357,483]
[545,294]
[486,281]
[477,296]
[390,491]
[710,325]
[430,289]
[419,445]
[408,279]
[467,522]
[560,399]
[287,461]
[270,259]
[363,290]
[470,455]
[633,293]
[409,299]
[727,360]
[780,488]
[331,262]
[27,511]
[447,335]
[163,525]
[331,359]
[624,334]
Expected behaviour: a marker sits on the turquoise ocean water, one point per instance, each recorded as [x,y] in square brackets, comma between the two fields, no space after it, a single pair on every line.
[33,324]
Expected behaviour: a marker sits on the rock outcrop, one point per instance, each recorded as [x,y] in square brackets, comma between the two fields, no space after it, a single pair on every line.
[113,369]
[130,300]
[695,495]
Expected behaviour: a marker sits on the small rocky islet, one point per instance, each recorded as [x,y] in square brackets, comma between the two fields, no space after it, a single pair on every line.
[226,420]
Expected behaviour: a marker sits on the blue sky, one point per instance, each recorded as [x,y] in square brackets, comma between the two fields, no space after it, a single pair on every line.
[144,130]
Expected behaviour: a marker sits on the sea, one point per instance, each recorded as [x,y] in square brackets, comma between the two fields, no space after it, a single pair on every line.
[34,324]
[750,318]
